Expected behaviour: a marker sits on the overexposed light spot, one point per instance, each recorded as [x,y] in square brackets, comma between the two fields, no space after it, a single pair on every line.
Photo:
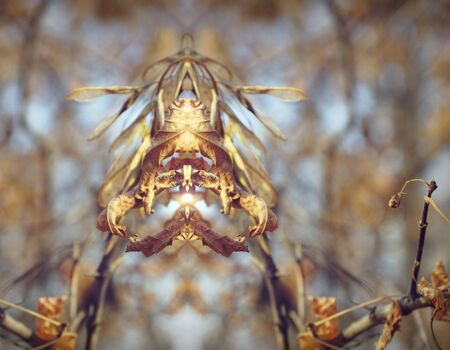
[187,198]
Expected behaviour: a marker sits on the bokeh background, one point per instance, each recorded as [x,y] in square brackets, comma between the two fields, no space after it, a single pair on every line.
[378,77]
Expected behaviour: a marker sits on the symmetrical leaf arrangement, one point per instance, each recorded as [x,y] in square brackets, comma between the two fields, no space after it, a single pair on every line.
[189,137]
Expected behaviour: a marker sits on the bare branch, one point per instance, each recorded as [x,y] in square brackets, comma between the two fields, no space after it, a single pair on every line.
[96,305]
[277,301]
[422,231]
[378,315]
[19,329]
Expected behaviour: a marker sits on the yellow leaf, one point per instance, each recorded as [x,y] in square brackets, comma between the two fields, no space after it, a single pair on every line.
[85,94]
[290,94]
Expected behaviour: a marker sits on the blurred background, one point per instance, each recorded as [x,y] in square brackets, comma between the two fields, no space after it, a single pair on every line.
[378,77]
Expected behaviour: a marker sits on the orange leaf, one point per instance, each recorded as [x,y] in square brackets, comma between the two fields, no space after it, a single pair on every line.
[53,308]
[323,307]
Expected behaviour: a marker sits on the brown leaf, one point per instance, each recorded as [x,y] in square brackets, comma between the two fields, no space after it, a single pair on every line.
[394,201]
[321,308]
[391,326]
[153,244]
[53,308]
[437,292]
[219,243]
[439,277]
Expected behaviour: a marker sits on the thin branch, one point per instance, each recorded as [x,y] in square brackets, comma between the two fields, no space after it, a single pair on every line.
[15,327]
[300,282]
[74,282]
[97,304]
[378,315]
[422,232]
[31,312]
[277,301]
[346,311]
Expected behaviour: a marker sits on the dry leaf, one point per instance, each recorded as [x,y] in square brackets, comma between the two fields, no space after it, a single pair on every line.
[323,307]
[437,292]
[391,326]
[53,308]
[180,129]
[290,94]
[85,94]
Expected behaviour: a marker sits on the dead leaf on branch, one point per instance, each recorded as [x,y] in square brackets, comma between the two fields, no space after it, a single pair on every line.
[321,308]
[166,124]
[187,224]
[437,292]
[53,308]
[391,326]
[57,336]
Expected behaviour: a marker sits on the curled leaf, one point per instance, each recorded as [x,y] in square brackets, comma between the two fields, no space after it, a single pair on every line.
[394,201]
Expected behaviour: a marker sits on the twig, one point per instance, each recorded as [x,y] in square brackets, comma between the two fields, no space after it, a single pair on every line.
[102,282]
[300,282]
[378,315]
[16,327]
[278,304]
[31,312]
[346,311]
[422,231]
[74,282]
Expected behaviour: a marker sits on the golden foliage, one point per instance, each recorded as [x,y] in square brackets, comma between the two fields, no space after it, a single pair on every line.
[170,126]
